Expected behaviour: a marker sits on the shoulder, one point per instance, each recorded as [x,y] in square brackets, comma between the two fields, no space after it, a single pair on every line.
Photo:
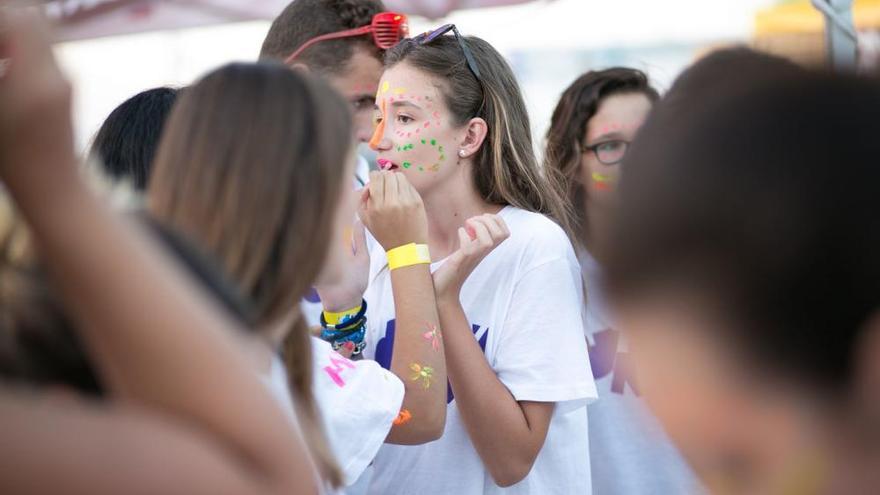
[538,238]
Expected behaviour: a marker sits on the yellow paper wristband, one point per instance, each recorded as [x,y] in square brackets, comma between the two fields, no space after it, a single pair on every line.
[408,255]
[335,318]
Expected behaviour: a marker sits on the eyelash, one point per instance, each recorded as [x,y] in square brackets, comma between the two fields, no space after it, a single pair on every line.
[404,119]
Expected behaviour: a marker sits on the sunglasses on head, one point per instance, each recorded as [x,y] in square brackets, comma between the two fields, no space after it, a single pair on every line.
[387,28]
[425,38]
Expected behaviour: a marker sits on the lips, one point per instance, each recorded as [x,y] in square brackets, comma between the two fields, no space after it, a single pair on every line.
[385,164]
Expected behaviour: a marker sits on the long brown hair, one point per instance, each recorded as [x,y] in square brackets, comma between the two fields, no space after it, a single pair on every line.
[578,104]
[251,166]
[505,169]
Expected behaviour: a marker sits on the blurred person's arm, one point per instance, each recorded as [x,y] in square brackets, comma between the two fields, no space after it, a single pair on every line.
[188,406]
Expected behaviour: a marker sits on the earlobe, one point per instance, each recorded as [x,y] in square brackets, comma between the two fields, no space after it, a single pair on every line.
[301,67]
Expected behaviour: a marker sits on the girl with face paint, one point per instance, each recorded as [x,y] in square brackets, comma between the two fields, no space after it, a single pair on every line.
[451,123]
[591,129]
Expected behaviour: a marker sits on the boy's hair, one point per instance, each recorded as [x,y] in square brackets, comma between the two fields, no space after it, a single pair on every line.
[303,20]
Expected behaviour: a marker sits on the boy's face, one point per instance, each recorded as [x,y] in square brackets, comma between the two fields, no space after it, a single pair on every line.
[358,83]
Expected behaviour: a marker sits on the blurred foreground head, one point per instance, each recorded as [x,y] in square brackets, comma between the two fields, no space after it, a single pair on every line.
[745,265]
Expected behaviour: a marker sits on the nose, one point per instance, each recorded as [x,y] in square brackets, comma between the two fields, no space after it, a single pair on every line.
[378,140]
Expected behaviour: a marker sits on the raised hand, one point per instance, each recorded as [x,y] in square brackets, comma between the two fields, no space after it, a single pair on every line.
[479,236]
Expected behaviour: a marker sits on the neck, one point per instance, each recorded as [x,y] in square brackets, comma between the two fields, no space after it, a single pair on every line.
[448,206]
[597,225]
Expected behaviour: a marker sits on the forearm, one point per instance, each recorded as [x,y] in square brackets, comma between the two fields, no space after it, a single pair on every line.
[155,339]
[496,423]
[76,443]
[418,356]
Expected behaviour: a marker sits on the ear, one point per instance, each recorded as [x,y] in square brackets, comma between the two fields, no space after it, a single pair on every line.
[301,67]
[475,132]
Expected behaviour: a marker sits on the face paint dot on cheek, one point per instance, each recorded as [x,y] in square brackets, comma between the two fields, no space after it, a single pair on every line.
[427,124]
[407,164]
[385,87]
[433,142]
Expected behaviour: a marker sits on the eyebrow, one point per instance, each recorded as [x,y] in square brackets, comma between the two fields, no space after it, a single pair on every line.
[609,136]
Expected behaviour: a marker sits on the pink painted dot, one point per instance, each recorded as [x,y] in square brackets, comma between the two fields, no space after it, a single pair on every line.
[408,134]
[427,124]
[418,131]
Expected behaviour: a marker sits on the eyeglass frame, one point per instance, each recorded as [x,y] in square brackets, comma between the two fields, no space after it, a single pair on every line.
[594,149]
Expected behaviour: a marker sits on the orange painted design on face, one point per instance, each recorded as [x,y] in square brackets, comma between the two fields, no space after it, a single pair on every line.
[380,129]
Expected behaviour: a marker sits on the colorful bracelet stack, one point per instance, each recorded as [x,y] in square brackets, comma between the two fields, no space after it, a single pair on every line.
[346,330]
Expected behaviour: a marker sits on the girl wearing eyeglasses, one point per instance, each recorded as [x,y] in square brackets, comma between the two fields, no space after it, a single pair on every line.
[452,129]
[591,129]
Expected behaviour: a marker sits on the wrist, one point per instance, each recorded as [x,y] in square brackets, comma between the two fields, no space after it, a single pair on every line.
[408,255]
[448,298]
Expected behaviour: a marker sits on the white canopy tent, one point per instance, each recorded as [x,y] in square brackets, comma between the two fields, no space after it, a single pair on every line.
[85,19]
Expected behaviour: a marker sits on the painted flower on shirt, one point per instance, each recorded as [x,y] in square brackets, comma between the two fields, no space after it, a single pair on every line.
[422,374]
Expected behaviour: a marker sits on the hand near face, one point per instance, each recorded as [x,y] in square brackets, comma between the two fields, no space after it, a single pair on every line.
[479,236]
[393,211]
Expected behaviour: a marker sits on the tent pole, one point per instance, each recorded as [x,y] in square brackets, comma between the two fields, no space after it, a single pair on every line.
[841,39]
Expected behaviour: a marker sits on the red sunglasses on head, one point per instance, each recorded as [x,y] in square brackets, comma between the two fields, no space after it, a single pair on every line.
[388,28]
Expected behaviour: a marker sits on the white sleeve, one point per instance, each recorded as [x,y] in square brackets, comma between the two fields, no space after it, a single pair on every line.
[358,401]
[542,355]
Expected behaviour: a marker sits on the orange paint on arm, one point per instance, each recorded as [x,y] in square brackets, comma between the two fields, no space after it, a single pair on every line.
[380,129]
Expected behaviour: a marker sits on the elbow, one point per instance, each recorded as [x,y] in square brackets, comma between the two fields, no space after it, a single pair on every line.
[508,472]
[432,428]
[435,430]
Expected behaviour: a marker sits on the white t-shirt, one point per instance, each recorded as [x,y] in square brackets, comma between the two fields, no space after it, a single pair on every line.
[525,306]
[630,452]
[357,400]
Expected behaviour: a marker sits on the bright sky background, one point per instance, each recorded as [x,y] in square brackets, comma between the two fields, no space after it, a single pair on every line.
[548,42]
